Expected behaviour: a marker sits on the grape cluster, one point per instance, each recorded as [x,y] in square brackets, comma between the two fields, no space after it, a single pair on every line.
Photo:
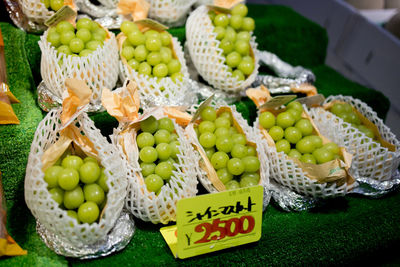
[159,147]
[236,163]
[54,5]
[294,136]
[150,53]
[234,33]
[82,41]
[346,112]
[65,183]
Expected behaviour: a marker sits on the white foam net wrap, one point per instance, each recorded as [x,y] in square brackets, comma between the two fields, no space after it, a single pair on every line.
[98,70]
[370,158]
[36,11]
[170,12]
[109,3]
[208,58]
[288,173]
[159,92]
[42,205]
[147,205]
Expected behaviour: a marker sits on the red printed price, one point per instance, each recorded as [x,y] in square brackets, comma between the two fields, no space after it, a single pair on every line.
[231,227]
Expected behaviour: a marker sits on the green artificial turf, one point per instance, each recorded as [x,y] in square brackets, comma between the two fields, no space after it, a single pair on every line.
[345,231]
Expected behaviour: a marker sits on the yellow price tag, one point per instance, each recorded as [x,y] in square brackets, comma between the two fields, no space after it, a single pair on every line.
[212,222]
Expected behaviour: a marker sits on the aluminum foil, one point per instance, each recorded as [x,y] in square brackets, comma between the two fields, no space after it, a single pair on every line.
[119,236]
[373,188]
[277,85]
[285,70]
[20,20]
[97,11]
[289,200]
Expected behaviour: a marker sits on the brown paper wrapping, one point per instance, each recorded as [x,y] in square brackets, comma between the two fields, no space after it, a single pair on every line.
[138,9]
[367,123]
[226,3]
[305,88]
[259,95]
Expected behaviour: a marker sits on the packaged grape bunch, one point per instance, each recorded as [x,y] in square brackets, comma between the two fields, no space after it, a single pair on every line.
[375,148]
[300,157]
[170,12]
[221,46]
[154,59]
[75,186]
[162,164]
[84,51]
[231,154]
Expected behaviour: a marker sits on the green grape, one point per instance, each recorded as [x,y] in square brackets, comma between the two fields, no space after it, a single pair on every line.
[353,118]
[153,182]
[276,133]
[224,143]
[238,151]
[212,15]
[164,170]
[322,155]
[239,9]
[54,39]
[232,130]
[248,24]
[295,113]
[166,124]
[251,151]
[206,126]
[128,27]
[148,154]
[64,26]
[238,138]
[68,179]
[337,109]
[236,22]
[145,68]
[293,153]
[209,152]
[246,67]
[165,38]
[332,147]
[66,37]
[93,45]
[153,34]
[305,146]
[316,140]
[221,20]
[57,194]
[88,212]
[284,120]
[235,166]
[242,47]
[64,49]
[207,139]
[231,185]
[238,75]
[368,132]
[46,3]
[71,161]
[230,34]
[267,119]
[208,114]
[222,122]
[85,52]
[295,105]
[147,168]
[177,76]
[160,70]
[136,38]
[305,127]
[174,66]
[89,172]
[76,45]
[154,58]
[51,176]
[96,36]
[248,181]
[233,59]
[153,43]
[165,55]
[84,23]
[141,53]
[84,35]
[102,181]
[173,136]
[347,108]
[73,214]
[74,198]
[56,4]
[134,64]
[128,52]
[89,158]
[220,32]
[145,139]
[163,151]
[226,115]
[162,136]
[308,158]
[292,134]
[219,160]
[226,45]
[251,163]
[222,131]
[224,175]
[283,145]
[243,35]
[149,125]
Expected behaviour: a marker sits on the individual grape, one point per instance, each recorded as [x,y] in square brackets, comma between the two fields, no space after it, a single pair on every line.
[145,68]
[160,70]
[163,151]
[89,172]
[57,194]
[231,185]
[72,161]
[153,43]
[85,52]
[251,164]
[153,182]
[209,152]
[240,9]
[224,143]
[283,145]
[332,147]
[227,46]
[276,133]
[251,151]
[222,131]
[243,35]
[353,118]
[68,179]
[76,45]
[147,168]
[165,38]
[238,151]
[149,125]
[174,66]
[296,114]
[221,20]
[141,53]
[247,181]
[226,115]
[165,54]
[267,119]
[284,120]
[222,122]
[347,108]
[337,109]
[232,130]
[74,198]
[102,181]
[66,37]
[253,175]
[84,23]
[134,64]
[208,114]
[64,26]
[305,146]
[54,39]
[128,27]
[238,138]
[206,126]
[136,38]
[230,34]
[236,22]
[148,154]
[207,139]
[220,32]
[308,158]
[166,124]
[162,136]
[93,45]
[316,140]
[88,212]
[322,155]
[51,176]
[164,170]
[84,35]
[153,34]
[238,75]
[93,192]
[293,153]
[145,139]
[153,58]
[219,160]
[248,24]
[305,127]
[292,134]
[224,175]
[295,105]
[235,166]
[233,59]
[368,132]
[56,4]
[246,67]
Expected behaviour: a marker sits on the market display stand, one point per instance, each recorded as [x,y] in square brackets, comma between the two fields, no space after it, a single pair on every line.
[347,230]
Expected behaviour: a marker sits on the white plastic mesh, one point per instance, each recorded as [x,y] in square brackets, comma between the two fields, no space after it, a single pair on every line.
[370,158]
[160,92]
[208,57]
[147,205]
[109,3]
[286,172]
[36,11]
[170,12]
[99,69]
[39,200]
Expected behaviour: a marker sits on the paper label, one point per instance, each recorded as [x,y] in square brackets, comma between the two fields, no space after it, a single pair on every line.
[212,222]
[312,101]
[201,107]
[152,24]
[64,13]
[277,101]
